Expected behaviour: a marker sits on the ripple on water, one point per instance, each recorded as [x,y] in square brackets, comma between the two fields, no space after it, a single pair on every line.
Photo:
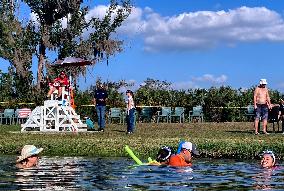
[79,173]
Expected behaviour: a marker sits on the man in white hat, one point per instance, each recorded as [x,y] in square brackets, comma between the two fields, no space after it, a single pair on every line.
[29,156]
[183,158]
[261,105]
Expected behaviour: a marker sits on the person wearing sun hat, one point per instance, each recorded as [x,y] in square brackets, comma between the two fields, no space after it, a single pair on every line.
[262,104]
[29,156]
[183,159]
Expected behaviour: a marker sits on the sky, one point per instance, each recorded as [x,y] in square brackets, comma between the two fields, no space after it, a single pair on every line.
[196,44]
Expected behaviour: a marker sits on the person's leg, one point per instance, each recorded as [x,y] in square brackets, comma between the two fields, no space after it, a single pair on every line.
[59,92]
[264,111]
[128,123]
[265,126]
[51,90]
[282,123]
[131,120]
[99,116]
[256,120]
[103,112]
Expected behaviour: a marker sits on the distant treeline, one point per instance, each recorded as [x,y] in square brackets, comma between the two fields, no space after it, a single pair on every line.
[220,104]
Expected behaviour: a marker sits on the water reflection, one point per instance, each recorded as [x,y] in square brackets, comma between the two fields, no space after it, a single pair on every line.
[78,173]
[269,179]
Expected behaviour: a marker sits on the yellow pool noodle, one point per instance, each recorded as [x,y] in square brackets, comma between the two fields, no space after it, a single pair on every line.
[129,151]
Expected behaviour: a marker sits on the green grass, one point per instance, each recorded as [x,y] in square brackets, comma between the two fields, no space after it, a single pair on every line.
[217,140]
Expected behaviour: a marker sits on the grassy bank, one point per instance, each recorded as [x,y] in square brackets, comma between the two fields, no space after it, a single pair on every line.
[218,140]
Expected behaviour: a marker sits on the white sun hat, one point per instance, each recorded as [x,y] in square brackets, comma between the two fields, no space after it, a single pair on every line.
[262,82]
[27,151]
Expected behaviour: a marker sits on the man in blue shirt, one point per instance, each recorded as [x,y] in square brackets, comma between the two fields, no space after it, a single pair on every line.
[100,102]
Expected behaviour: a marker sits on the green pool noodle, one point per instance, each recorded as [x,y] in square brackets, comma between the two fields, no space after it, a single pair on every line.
[129,151]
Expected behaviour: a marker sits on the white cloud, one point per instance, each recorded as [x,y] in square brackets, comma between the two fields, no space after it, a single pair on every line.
[211,79]
[204,29]
[204,81]
[133,86]
[197,30]
[97,12]
[184,85]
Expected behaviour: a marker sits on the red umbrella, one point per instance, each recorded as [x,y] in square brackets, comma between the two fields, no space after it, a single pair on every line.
[72,61]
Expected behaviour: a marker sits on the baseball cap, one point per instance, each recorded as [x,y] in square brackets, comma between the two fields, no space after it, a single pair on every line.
[190,146]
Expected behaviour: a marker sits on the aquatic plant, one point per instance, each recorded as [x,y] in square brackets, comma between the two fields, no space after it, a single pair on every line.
[216,140]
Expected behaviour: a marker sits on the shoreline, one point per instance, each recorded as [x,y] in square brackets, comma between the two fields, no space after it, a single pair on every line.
[231,140]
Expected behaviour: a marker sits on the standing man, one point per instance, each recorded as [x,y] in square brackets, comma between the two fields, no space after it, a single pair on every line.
[261,105]
[100,102]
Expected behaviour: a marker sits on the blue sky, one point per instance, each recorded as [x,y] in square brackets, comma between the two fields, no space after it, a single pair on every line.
[197,44]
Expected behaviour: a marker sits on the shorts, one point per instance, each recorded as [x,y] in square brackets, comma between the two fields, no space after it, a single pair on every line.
[261,111]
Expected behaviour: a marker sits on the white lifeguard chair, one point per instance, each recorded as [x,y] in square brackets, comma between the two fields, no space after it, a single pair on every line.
[55,116]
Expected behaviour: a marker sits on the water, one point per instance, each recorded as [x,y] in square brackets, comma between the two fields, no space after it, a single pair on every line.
[78,173]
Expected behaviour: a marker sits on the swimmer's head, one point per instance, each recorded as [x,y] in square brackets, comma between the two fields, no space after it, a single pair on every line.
[268,159]
[164,154]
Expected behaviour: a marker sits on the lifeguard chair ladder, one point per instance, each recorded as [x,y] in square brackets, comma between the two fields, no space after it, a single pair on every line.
[55,116]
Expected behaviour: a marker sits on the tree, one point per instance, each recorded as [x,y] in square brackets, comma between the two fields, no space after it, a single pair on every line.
[18,40]
[69,41]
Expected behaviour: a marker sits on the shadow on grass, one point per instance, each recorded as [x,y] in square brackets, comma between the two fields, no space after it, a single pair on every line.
[241,132]
[252,132]
[120,131]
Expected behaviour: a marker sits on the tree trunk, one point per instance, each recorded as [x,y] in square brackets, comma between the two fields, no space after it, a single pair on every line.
[19,63]
[40,65]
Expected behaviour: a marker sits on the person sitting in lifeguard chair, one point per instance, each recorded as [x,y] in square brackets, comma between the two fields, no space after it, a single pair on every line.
[58,84]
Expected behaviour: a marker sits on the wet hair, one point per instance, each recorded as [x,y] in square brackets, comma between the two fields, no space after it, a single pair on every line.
[164,154]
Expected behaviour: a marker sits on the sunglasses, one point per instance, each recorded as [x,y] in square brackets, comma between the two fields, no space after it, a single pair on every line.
[34,156]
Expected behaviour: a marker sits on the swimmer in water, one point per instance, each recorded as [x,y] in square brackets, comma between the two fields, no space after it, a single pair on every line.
[163,156]
[183,159]
[29,157]
[268,159]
